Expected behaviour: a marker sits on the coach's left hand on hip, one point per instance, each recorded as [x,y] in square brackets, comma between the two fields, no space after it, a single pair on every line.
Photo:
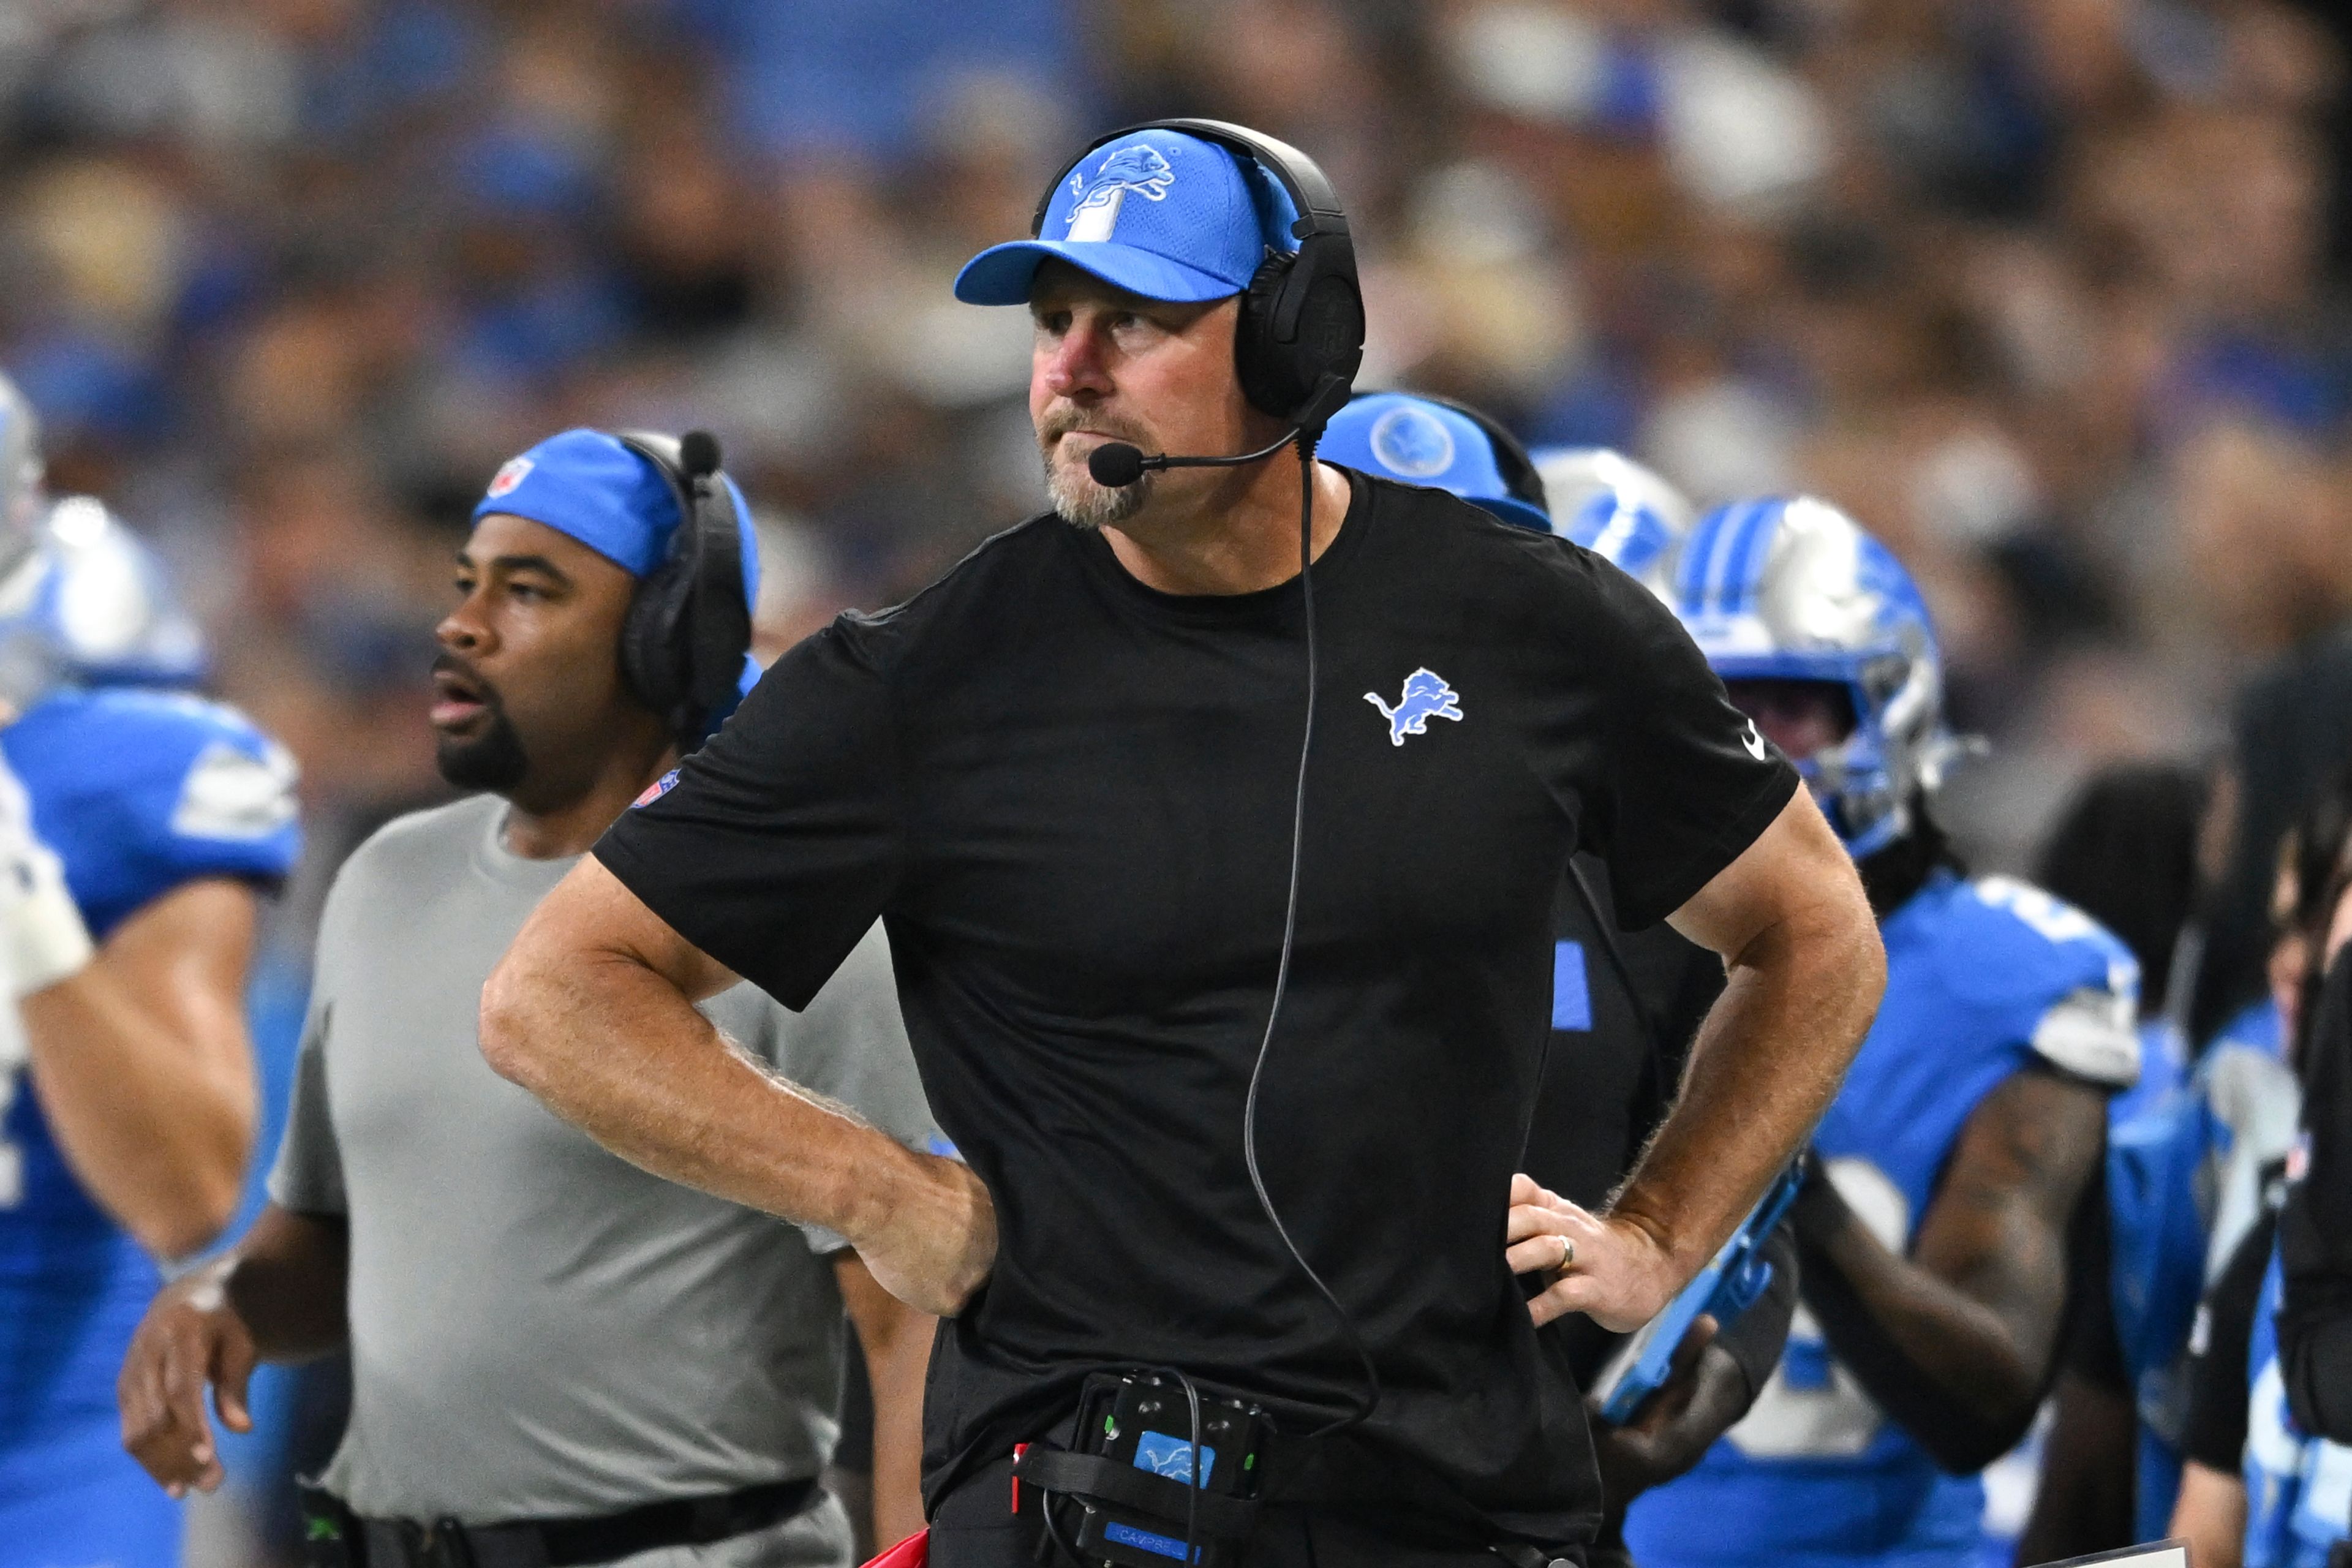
[1607,1268]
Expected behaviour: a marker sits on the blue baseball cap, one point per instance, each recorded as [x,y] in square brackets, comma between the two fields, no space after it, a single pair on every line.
[1159,213]
[1399,437]
[585,484]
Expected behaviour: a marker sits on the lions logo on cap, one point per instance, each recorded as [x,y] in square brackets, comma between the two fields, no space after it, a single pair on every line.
[511,473]
[1134,167]
[1412,442]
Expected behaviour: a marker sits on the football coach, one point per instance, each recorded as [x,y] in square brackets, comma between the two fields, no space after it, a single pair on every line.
[1218,893]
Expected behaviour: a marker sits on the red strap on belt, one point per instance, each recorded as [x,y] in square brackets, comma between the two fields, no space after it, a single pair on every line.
[914,1551]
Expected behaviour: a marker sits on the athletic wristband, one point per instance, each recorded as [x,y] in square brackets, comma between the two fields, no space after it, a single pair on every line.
[42,938]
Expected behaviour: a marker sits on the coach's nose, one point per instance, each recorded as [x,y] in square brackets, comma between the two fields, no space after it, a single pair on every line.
[1077,364]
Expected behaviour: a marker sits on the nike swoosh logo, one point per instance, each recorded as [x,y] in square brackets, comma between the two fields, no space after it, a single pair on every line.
[1753,742]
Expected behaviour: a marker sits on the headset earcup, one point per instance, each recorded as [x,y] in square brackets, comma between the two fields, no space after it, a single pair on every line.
[651,661]
[1277,377]
[1268,378]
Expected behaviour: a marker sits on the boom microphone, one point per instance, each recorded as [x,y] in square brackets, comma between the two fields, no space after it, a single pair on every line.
[1115,465]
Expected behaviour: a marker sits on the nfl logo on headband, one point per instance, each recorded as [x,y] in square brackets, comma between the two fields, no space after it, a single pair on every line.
[512,473]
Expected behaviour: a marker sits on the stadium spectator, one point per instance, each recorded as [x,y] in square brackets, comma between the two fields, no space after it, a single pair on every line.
[556,1357]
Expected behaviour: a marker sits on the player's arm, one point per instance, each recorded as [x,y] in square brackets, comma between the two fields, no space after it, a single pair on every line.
[1804,974]
[897,1341]
[593,1010]
[1956,1342]
[277,1295]
[2084,1501]
[143,1069]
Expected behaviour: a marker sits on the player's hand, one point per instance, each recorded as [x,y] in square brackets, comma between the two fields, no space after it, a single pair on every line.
[1606,1267]
[934,1241]
[1704,1393]
[190,1337]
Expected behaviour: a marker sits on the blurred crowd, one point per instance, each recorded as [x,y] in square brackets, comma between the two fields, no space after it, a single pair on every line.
[2042,290]
[2051,294]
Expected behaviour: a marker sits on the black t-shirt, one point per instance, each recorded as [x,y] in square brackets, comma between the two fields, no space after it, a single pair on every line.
[1069,798]
[2219,1348]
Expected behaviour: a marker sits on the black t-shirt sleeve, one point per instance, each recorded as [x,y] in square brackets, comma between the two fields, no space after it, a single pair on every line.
[2214,1434]
[1686,784]
[783,838]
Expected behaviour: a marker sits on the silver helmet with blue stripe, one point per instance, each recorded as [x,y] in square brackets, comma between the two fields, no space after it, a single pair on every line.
[92,605]
[1793,589]
[1617,509]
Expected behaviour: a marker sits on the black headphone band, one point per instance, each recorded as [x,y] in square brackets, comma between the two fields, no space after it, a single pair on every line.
[1520,476]
[690,624]
[1300,177]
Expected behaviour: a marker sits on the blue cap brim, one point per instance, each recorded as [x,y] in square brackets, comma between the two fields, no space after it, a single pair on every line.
[1518,513]
[1001,274]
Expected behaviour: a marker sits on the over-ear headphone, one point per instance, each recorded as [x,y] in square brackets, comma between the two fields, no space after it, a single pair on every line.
[1301,334]
[689,624]
[1521,479]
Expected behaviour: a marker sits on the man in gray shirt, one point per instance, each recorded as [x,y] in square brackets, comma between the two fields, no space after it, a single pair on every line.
[555,1354]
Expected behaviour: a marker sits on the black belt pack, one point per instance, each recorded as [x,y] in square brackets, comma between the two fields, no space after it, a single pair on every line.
[335,1537]
[1129,1482]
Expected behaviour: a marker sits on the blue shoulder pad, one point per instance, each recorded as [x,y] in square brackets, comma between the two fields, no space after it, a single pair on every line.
[139,792]
[2062,982]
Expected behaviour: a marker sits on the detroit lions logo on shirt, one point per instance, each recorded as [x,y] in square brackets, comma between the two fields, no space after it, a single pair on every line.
[1131,168]
[1426,696]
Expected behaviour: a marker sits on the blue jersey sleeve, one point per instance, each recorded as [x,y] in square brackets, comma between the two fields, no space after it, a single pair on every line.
[2065,985]
[140,791]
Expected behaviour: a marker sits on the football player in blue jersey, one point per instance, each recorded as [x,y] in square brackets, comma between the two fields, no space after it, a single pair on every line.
[129,1110]
[2184,1180]
[1932,1227]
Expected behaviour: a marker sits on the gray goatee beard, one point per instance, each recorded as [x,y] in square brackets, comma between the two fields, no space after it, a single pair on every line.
[1078,500]
[1082,504]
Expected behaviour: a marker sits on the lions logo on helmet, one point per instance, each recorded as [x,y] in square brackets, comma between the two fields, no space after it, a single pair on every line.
[1132,167]
[1793,589]
[1618,509]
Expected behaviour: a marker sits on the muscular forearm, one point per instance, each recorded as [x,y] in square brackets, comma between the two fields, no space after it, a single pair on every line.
[618,1051]
[1944,1365]
[1767,1062]
[157,1132]
[287,1282]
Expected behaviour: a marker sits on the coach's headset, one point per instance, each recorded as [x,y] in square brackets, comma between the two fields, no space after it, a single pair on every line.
[689,621]
[1300,339]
